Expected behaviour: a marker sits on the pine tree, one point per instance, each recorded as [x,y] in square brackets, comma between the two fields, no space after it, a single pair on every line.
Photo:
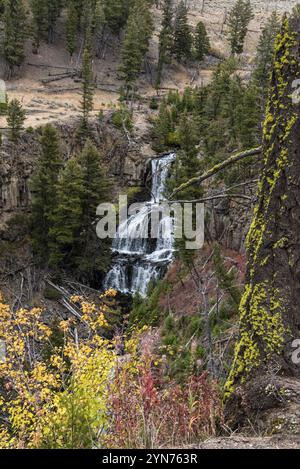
[79,4]
[99,23]
[116,13]
[250,117]
[239,19]
[14,37]
[39,12]
[87,23]
[165,40]
[87,88]
[187,162]
[182,47]
[83,185]
[163,128]
[265,53]
[44,191]
[94,254]
[96,185]
[15,119]
[231,108]
[201,42]
[136,42]
[71,28]
[53,10]
[67,216]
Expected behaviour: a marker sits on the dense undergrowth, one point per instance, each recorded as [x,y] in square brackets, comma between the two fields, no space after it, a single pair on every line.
[86,395]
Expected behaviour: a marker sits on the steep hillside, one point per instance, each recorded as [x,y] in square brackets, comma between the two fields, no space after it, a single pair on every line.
[60,100]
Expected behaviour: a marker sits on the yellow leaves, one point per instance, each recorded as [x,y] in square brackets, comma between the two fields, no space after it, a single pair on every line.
[66,325]
[111,293]
[57,361]
[44,330]
[92,315]
[61,401]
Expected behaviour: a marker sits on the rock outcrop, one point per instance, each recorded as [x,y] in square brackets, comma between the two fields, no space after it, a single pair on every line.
[17,163]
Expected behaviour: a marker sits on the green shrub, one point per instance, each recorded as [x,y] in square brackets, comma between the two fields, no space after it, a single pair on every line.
[122,117]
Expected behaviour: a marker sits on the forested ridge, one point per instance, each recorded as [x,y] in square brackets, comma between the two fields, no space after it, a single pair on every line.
[208,350]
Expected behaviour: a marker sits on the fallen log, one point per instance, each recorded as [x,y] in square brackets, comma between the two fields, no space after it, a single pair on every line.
[59,67]
[57,78]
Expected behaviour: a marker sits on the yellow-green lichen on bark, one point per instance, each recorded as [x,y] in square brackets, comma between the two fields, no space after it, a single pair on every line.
[261,322]
[263,305]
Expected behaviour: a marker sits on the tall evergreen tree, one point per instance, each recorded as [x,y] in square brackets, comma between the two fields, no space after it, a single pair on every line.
[71,27]
[87,22]
[53,10]
[95,254]
[44,191]
[96,185]
[87,88]
[165,40]
[265,53]
[99,24]
[136,42]
[239,19]
[14,34]
[250,117]
[79,4]
[116,13]
[67,216]
[83,185]
[201,42]
[163,128]
[39,14]
[187,163]
[182,47]
[15,119]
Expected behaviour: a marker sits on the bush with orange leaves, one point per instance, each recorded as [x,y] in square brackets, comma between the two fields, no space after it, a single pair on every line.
[147,413]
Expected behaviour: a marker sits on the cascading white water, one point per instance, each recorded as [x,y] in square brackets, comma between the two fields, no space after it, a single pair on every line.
[139,259]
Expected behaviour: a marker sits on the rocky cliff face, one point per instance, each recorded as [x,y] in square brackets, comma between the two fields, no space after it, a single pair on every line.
[17,163]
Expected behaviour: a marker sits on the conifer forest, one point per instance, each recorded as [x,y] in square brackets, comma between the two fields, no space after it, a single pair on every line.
[149,227]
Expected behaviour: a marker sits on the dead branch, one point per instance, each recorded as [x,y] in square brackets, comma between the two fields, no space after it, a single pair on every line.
[215,197]
[51,66]
[217,168]
[45,81]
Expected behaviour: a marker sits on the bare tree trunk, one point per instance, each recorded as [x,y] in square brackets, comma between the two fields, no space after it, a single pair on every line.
[270,307]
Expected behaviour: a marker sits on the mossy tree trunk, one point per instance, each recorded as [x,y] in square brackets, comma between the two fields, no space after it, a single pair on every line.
[270,307]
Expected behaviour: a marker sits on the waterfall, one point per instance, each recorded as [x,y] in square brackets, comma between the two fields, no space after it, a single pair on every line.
[138,258]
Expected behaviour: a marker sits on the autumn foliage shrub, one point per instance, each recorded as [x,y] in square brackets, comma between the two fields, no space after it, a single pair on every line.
[56,402]
[84,395]
[148,413]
